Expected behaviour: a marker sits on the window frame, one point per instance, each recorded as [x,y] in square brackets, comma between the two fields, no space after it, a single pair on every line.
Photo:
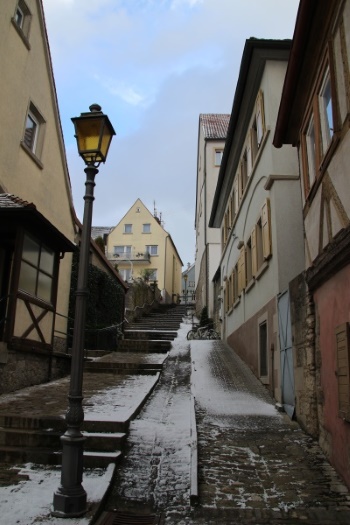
[149,249]
[317,111]
[126,227]
[38,269]
[149,227]
[35,147]
[124,252]
[23,28]
[218,153]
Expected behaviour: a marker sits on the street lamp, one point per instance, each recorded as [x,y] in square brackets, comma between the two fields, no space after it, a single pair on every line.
[94,133]
[185,279]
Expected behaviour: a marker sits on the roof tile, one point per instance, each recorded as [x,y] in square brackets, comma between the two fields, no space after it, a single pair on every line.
[214,125]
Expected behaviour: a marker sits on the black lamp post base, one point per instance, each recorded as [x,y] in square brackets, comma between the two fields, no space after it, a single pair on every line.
[69,500]
[69,506]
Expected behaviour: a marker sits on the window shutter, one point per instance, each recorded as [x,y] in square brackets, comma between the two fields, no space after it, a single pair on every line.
[233,298]
[242,267]
[266,229]
[254,252]
[260,117]
[240,185]
[343,370]
[249,154]
[235,195]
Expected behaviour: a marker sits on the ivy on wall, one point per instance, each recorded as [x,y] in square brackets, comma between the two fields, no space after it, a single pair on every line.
[105,306]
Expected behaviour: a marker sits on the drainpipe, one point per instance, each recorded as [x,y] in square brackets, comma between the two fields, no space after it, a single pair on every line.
[165,265]
[205,229]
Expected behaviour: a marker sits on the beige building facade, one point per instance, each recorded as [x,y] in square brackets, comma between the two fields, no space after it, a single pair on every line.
[37,217]
[141,248]
[257,209]
[212,131]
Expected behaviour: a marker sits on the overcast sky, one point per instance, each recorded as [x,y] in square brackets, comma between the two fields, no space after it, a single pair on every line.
[153,66]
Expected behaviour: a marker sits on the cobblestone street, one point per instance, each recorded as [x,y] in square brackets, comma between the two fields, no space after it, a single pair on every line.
[255,466]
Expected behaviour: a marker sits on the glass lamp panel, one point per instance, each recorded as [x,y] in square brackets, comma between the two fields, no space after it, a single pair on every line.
[105,140]
[30,250]
[44,287]
[88,133]
[47,260]
[27,278]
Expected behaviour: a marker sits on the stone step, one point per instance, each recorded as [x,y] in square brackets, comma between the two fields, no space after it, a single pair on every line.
[122,371]
[58,424]
[168,335]
[92,459]
[154,326]
[95,441]
[95,366]
[144,345]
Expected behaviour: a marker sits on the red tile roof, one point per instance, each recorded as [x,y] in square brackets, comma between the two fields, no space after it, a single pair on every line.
[214,125]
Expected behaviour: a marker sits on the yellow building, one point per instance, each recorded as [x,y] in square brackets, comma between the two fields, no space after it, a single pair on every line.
[37,226]
[141,248]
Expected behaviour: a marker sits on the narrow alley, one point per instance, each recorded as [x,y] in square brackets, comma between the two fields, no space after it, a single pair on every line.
[255,466]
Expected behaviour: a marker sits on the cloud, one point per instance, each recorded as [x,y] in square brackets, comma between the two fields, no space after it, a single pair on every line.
[153,66]
[128,94]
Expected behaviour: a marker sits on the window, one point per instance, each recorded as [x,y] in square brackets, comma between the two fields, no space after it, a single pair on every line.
[33,137]
[146,228]
[122,251]
[311,151]
[21,20]
[126,274]
[19,17]
[263,354]
[254,141]
[249,260]
[326,112]
[259,244]
[244,171]
[152,249]
[259,118]
[343,370]
[318,130]
[37,269]
[218,157]
[191,284]
[127,228]
[266,229]
[31,132]
[153,276]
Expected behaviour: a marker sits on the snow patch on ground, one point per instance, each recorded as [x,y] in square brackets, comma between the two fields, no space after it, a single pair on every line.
[214,396]
[114,404]
[29,502]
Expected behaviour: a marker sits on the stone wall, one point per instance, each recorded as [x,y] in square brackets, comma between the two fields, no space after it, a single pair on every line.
[140,299]
[304,351]
[25,368]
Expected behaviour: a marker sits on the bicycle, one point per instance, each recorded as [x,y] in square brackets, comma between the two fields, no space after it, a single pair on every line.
[202,332]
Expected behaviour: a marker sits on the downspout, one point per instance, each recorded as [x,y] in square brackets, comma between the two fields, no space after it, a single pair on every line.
[165,265]
[205,229]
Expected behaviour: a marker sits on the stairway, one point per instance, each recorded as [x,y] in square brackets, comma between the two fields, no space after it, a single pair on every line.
[30,431]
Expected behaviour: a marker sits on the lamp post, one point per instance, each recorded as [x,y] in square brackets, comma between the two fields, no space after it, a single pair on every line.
[185,279]
[94,133]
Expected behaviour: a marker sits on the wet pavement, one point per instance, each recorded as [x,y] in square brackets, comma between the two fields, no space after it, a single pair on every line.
[255,466]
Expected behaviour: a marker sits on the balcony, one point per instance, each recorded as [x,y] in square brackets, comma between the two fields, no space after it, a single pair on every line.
[134,257]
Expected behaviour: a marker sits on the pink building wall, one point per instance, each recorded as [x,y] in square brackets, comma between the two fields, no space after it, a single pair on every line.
[332,301]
